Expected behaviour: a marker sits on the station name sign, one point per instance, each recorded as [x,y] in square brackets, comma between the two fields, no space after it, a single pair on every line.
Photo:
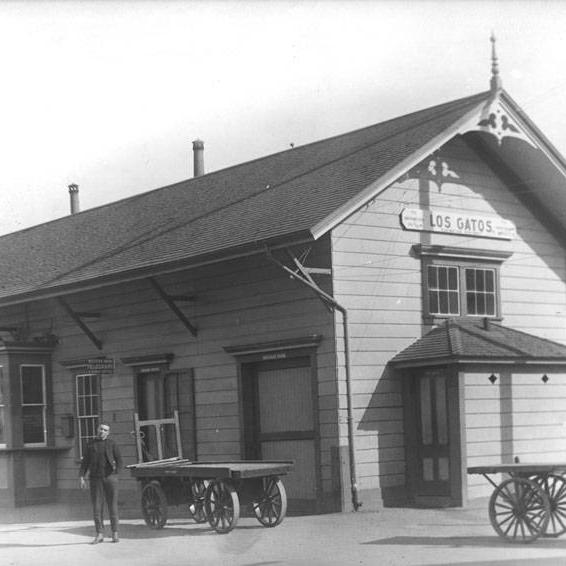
[448,222]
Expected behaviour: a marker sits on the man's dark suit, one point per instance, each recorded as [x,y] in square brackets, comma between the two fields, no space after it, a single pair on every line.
[103,463]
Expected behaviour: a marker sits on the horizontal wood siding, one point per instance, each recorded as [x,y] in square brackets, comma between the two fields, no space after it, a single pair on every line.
[517,416]
[240,302]
[378,279]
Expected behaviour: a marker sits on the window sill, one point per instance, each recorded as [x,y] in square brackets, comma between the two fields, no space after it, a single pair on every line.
[36,449]
[436,320]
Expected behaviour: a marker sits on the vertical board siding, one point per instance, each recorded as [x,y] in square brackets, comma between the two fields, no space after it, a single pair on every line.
[378,279]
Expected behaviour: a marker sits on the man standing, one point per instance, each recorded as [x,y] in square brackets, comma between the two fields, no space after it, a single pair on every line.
[102,461]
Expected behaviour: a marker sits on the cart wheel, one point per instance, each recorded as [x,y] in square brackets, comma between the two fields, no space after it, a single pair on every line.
[198,495]
[271,507]
[519,510]
[154,505]
[555,487]
[222,506]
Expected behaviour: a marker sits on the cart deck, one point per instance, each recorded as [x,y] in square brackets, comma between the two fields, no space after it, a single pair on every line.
[212,490]
[210,470]
[530,503]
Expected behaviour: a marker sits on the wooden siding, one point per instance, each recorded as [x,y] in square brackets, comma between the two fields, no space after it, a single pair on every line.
[517,416]
[378,279]
[241,302]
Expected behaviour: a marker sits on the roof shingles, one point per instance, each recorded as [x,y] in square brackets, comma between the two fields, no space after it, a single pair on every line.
[278,196]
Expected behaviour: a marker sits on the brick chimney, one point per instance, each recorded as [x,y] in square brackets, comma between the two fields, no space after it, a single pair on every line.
[198,158]
[74,195]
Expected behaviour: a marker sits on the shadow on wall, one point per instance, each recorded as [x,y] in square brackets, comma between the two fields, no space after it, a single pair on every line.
[384,417]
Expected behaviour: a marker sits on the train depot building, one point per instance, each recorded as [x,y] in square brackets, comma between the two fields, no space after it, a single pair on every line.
[385,308]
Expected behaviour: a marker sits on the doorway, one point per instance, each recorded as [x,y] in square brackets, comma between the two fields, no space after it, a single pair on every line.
[432,419]
[280,423]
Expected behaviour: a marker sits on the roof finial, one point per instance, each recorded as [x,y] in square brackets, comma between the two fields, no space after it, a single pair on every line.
[495,82]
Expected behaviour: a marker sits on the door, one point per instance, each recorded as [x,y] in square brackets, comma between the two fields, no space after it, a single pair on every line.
[157,398]
[434,439]
[280,424]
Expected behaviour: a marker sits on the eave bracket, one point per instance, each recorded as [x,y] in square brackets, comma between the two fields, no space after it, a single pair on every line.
[170,301]
[78,318]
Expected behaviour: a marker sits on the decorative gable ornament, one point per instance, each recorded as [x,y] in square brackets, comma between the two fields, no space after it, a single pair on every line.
[497,121]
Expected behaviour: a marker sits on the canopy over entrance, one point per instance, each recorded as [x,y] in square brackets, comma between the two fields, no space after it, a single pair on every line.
[478,341]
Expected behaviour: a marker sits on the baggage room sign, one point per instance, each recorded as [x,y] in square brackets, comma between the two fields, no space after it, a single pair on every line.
[449,222]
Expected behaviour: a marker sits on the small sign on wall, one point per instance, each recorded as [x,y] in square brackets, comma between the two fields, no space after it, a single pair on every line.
[448,222]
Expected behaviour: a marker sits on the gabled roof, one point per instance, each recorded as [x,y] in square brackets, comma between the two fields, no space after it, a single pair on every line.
[292,196]
[478,341]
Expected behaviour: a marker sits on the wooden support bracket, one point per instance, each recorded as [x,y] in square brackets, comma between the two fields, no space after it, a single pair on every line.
[170,301]
[303,275]
[78,320]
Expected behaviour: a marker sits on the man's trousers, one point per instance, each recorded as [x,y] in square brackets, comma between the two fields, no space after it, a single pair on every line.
[102,489]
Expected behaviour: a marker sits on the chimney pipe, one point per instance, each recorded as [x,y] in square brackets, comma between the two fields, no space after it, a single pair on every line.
[74,194]
[198,157]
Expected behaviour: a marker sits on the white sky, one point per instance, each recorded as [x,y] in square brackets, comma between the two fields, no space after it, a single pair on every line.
[109,95]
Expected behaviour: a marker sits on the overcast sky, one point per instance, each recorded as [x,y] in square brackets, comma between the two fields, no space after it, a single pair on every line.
[109,95]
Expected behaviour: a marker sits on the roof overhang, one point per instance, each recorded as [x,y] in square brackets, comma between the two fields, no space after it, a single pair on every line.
[143,272]
[503,131]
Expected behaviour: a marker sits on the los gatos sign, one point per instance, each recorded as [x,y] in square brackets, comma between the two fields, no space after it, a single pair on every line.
[477,225]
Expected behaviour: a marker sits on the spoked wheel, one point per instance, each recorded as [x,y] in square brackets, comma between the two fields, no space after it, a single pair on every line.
[271,506]
[519,510]
[555,487]
[222,506]
[154,505]
[198,495]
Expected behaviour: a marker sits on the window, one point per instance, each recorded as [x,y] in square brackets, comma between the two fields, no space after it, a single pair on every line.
[88,408]
[455,290]
[34,426]
[2,408]
[460,282]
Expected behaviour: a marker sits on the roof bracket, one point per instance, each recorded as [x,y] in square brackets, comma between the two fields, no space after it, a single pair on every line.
[302,274]
[77,317]
[170,300]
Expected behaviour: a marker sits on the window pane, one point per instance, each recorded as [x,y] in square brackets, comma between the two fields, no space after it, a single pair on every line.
[442,278]
[2,427]
[88,408]
[32,385]
[443,296]
[426,408]
[490,305]
[490,281]
[432,277]
[480,280]
[452,278]
[33,425]
[454,302]
[433,302]
[470,279]
[481,303]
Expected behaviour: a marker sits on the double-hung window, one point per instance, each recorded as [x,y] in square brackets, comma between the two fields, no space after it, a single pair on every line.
[88,407]
[34,424]
[460,282]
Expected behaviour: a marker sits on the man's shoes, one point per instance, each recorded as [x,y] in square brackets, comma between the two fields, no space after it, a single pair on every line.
[98,538]
[115,537]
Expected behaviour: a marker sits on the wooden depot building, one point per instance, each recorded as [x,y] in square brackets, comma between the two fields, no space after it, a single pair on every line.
[385,307]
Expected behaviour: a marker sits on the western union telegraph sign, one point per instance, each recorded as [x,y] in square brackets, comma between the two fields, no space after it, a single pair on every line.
[478,225]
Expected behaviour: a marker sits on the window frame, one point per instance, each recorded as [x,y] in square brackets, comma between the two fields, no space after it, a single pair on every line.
[462,259]
[43,405]
[3,405]
[79,416]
